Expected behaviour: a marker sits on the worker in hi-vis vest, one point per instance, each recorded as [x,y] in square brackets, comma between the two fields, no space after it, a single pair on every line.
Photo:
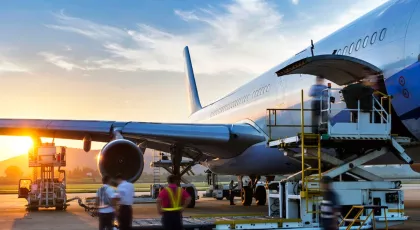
[172,200]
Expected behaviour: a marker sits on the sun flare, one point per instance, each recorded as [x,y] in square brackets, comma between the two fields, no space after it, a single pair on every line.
[21,145]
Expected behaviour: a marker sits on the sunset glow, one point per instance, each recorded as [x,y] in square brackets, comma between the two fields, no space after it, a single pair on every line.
[83,62]
[21,145]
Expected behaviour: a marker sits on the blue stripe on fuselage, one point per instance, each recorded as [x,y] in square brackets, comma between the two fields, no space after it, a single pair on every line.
[404,87]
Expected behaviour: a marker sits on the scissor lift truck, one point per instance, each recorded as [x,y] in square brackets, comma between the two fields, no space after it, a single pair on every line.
[45,190]
[368,200]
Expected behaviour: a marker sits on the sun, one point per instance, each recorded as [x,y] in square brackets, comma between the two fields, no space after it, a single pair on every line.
[21,144]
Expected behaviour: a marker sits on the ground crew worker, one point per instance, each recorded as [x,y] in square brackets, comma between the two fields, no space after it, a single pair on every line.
[329,206]
[231,195]
[105,203]
[126,198]
[171,202]
[315,92]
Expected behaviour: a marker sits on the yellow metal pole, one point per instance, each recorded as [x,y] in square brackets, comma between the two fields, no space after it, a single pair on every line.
[302,130]
[389,105]
[319,159]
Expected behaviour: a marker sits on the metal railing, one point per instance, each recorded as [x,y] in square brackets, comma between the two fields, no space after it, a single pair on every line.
[377,109]
[380,110]
[273,112]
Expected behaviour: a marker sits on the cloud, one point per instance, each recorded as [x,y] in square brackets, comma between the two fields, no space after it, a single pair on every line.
[6,63]
[85,27]
[60,61]
[245,36]
[295,2]
[6,66]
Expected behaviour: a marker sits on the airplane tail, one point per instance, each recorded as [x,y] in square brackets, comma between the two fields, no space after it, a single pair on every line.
[193,97]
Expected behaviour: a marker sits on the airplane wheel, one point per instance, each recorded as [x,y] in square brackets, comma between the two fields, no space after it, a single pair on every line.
[191,192]
[260,195]
[246,196]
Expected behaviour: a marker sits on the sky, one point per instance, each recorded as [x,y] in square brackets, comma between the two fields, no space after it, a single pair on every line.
[122,60]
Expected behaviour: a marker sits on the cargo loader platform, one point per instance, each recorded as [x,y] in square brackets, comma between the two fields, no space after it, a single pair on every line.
[366,200]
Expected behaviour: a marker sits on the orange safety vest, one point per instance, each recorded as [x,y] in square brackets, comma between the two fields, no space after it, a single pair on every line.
[175,204]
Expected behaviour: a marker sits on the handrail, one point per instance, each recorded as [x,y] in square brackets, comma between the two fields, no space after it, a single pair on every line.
[272,113]
[370,215]
[302,133]
[385,116]
[378,111]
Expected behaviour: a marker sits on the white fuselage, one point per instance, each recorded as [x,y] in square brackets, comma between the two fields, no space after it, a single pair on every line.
[387,37]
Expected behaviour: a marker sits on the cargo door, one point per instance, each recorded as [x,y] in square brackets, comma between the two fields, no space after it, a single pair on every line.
[340,69]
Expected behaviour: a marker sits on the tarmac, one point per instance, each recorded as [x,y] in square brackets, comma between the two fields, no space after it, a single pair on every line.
[14,216]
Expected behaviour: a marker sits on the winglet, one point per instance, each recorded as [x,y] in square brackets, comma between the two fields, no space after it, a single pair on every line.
[193,97]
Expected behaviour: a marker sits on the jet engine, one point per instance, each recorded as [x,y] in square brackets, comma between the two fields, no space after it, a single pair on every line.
[121,156]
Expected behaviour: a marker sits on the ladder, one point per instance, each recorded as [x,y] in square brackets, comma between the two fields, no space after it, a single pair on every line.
[357,219]
[34,173]
[156,170]
[47,180]
[311,169]
[311,181]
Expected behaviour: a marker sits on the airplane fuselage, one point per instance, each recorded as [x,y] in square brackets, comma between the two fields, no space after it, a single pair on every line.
[387,37]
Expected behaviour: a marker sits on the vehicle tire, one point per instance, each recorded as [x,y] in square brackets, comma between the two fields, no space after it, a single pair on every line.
[33,209]
[246,196]
[59,207]
[191,192]
[260,195]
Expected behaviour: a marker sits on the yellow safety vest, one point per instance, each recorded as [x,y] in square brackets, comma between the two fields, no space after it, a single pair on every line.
[176,204]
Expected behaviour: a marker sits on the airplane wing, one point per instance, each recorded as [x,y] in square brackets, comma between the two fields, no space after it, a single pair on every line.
[216,140]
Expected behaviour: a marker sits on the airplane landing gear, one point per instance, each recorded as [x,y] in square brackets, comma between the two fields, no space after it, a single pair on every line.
[260,195]
[246,196]
[252,189]
[176,158]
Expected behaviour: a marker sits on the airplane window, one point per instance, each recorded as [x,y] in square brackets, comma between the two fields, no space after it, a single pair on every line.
[365,42]
[358,44]
[373,38]
[345,50]
[382,35]
[351,48]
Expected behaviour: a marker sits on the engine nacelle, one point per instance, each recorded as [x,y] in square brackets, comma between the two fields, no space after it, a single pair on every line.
[121,156]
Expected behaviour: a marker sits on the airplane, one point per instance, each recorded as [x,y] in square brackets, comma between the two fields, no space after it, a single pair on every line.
[230,135]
